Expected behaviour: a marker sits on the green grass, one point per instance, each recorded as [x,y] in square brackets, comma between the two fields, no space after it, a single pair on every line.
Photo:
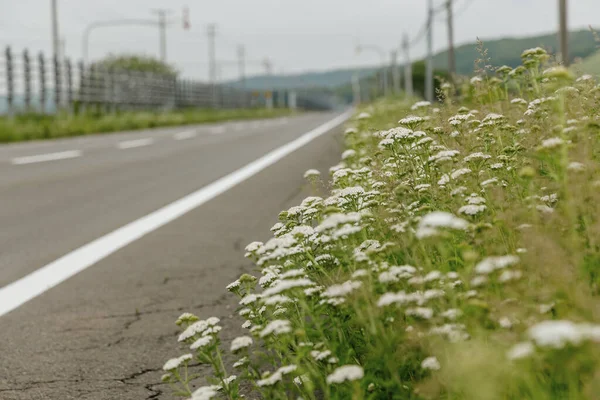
[37,126]
[457,258]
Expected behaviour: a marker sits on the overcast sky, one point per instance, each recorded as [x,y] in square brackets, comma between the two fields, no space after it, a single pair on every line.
[297,35]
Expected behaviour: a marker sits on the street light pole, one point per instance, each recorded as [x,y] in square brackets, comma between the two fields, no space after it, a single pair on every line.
[103,24]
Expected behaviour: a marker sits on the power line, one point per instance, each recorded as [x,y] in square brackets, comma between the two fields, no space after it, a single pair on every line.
[464,8]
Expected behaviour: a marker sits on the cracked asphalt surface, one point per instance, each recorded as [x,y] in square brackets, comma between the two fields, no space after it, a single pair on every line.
[106,332]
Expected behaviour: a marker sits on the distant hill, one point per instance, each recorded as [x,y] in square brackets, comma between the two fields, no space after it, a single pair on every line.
[325,79]
[589,65]
[507,51]
[504,51]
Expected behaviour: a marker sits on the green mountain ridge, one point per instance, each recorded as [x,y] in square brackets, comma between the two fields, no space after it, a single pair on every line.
[504,51]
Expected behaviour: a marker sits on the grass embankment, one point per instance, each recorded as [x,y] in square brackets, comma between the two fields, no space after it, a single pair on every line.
[37,126]
[458,257]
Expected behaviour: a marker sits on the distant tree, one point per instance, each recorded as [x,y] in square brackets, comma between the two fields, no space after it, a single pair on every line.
[137,63]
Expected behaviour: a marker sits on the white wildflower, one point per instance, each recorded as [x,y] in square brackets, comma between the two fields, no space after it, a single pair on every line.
[287,284]
[206,392]
[240,342]
[311,173]
[420,312]
[552,143]
[575,166]
[452,314]
[479,281]
[490,264]
[509,275]
[520,350]
[444,180]
[430,223]
[431,363]
[489,181]
[432,276]
[252,247]
[477,156]
[505,323]
[460,172]
[420,104]
[341,289]
[444,155]
[248,299]
[276,376]
[276,327]
[320,355]
[192,330]
[346,373]
[174,363]
[202,342]
[556,334]
[472,209]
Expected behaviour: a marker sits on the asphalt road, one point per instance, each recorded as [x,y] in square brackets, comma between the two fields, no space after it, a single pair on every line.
[106,332]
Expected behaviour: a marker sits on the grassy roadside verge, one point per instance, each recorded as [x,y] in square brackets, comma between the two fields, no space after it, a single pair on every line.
[35,126]
[456,258]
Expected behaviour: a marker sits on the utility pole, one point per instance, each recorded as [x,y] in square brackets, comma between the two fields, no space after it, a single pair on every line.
[395,74]
[564,33]
[55,33]
[211,31]
[451,56]
[408,80]
[429,68]
[162,32]
[241,53]
[268,66]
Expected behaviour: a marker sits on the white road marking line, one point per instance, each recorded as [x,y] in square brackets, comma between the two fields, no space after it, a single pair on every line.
[217,130]
[61,155]
[21,291]
[130,144]
[185,135]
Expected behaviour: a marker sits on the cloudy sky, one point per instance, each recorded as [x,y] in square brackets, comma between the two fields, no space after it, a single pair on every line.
[296,35]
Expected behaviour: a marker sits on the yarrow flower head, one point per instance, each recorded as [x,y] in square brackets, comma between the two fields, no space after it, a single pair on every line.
[311,173]
[431,363]
[430,224]
[240,342]
[277,327]
[277,376]
[174,363]
[346,373]
[202,342]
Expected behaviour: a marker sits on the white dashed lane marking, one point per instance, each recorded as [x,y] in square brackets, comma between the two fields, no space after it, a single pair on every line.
[61,155]
[217,130]
[185,135]
[130,144]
